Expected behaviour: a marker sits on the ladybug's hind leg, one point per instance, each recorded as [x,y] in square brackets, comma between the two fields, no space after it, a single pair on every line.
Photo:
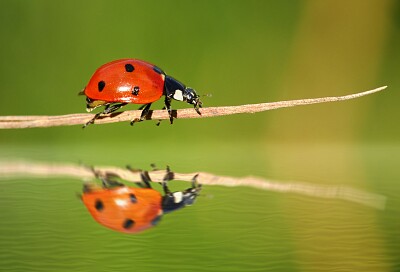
[109,108]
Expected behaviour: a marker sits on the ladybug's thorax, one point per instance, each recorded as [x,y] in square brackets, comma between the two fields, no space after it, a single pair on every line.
[173,88]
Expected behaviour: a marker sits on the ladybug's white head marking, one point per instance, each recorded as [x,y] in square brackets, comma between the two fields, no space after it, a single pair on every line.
[178,95]
[178,196]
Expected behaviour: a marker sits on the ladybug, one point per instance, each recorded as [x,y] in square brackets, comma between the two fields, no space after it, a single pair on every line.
[132,210]
[124,81]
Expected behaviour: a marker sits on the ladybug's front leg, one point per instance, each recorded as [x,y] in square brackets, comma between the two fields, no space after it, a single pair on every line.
[167,103]
[167,106]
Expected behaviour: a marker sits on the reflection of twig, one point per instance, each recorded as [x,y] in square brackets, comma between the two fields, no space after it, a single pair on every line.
[7,122]
[23,169]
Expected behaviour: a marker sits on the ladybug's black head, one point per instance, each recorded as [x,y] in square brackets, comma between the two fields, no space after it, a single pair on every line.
[191,97]
[178,91]
[176,200]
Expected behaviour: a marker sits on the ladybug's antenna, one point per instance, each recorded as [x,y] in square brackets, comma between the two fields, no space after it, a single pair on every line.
[206,95]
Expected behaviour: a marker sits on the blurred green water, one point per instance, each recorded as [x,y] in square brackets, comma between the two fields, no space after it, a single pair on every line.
[241,52]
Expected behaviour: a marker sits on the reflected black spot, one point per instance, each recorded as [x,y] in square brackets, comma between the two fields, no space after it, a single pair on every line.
[129,223]
[99,205]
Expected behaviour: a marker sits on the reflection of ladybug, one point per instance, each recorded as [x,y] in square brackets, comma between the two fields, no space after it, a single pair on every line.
[130,210]
[124,81]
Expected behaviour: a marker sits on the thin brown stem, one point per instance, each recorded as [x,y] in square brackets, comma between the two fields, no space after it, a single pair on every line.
[26,169]
[13,122]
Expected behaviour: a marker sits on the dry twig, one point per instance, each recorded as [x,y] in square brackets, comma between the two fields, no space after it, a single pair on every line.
[24,169]
[9,122]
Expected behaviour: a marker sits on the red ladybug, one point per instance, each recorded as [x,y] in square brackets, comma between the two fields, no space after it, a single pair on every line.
[131,210]
[124,81]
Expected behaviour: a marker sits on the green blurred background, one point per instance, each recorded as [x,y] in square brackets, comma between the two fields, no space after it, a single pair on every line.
[241,52]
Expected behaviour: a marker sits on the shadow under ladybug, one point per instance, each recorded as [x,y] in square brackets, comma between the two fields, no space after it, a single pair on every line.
[132,210]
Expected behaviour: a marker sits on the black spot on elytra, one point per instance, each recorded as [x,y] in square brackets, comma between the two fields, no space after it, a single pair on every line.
[133,198]
[158,70]
[128,223]
[99,205]
[101,85]
[136,90]
[129,68]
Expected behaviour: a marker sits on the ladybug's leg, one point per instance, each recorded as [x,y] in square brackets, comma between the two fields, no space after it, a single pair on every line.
[109,108]
[167,103]
[107,179]
[142,107]
[91,121]
[168,176]
[153,166]
[159,120]
[144,175]
[145,111]
[196,107]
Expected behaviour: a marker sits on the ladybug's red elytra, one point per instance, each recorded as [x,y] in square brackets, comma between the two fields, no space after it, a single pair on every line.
[132,210]
[120,82]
